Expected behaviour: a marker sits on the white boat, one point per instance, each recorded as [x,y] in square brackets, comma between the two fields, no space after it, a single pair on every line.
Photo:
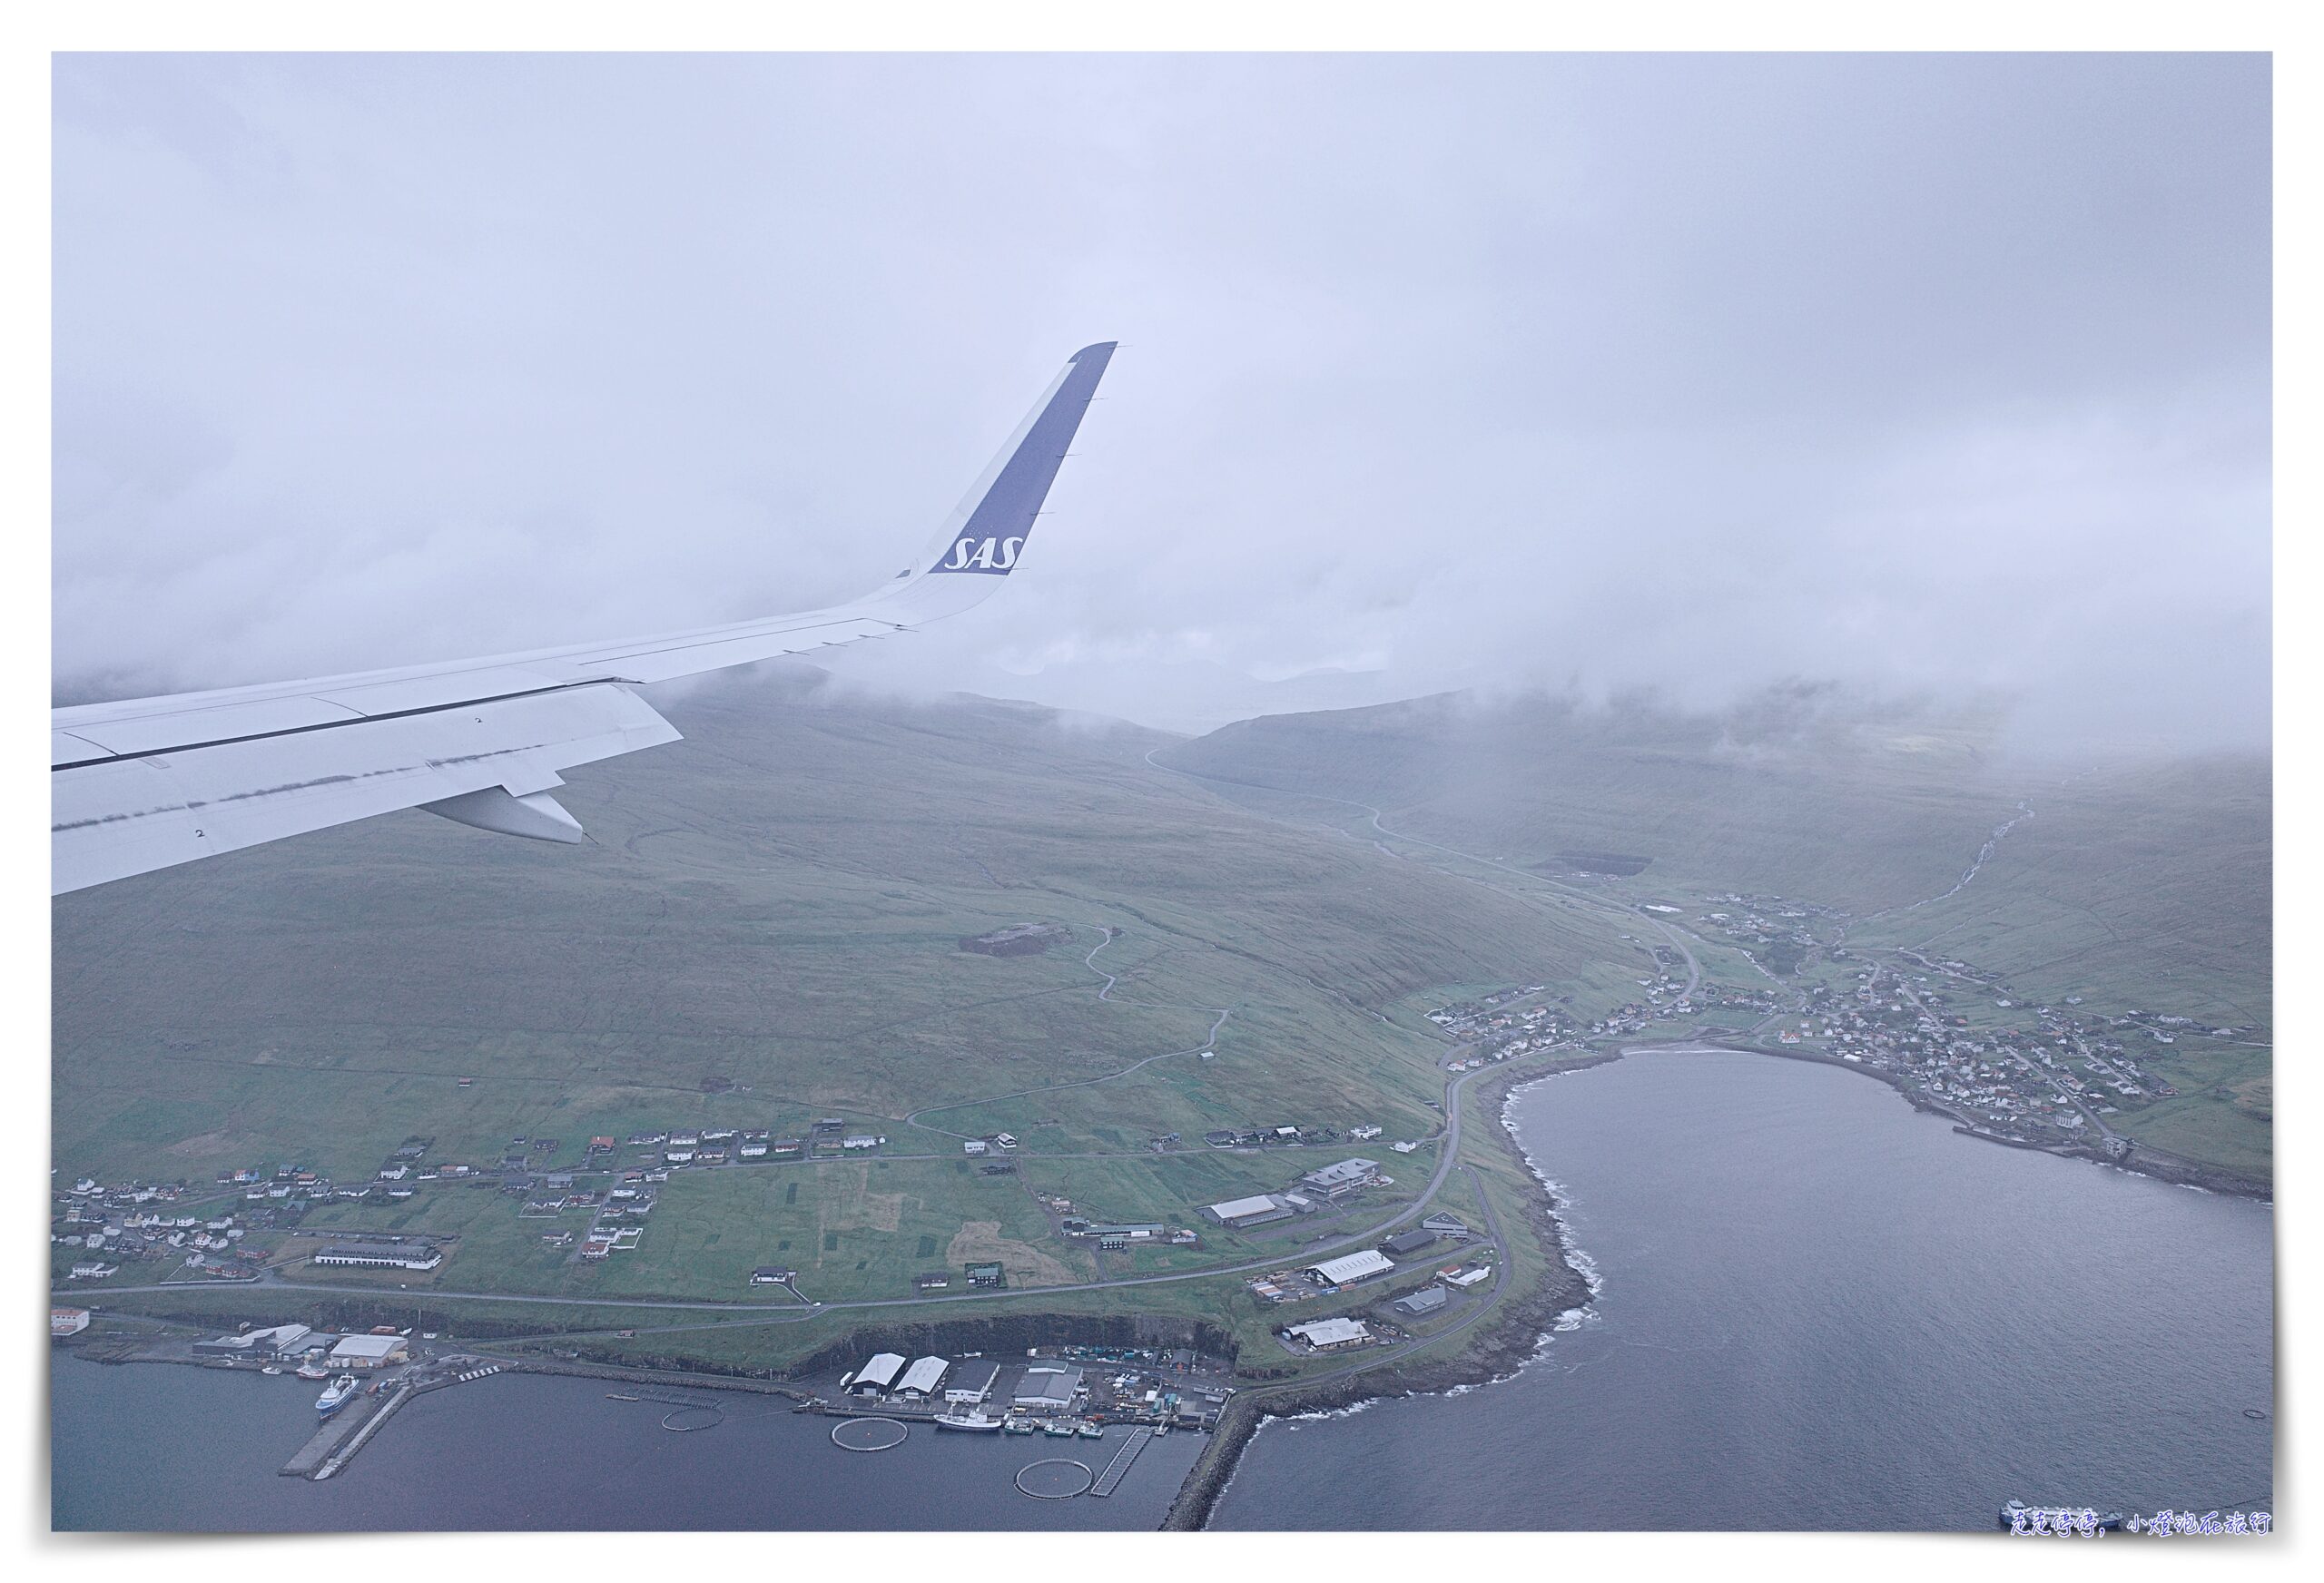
[1058,1429]
[969,1423]
[336,1395]
[1092,1432]
[271,1369]
[1019,1426]
[313,1371]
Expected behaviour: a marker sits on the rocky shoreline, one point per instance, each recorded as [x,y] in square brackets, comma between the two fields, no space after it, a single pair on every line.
[1500,1348]
[1515,1335]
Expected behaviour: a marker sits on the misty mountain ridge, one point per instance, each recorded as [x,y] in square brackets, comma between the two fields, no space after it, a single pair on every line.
[2134,873]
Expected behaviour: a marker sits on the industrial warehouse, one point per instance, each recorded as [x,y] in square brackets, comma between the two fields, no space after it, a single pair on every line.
[381,1256]
[1350,1268]
[1070,1391]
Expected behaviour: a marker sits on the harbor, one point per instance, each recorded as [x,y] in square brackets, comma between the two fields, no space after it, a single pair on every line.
[191,1448]
[1080,1396]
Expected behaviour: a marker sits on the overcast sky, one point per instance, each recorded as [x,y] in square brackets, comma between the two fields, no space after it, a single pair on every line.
[1921,373]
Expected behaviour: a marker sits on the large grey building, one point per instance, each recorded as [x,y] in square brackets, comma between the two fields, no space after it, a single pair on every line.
[1333,1181]
[1049,1388]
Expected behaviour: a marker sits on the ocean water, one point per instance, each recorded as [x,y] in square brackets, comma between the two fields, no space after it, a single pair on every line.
[167,1447]
[1820,1308]
[1816,1309]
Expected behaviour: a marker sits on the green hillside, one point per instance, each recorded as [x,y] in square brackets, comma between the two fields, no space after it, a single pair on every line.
[765,928]
[2142,884]
[2146,883]
[1795,795]
[767,924]
[2147,886]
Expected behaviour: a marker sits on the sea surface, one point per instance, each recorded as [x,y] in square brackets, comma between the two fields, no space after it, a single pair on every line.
[1817,1309]
[1821,1309]
[172,1447]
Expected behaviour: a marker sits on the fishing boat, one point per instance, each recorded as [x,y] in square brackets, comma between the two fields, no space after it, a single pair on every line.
[1092,1432]
[968,1423]
[313,1370]
[1019,1426]
[336,1395]
[1058,1429]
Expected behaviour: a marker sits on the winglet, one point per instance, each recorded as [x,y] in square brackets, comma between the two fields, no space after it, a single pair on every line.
[986,535]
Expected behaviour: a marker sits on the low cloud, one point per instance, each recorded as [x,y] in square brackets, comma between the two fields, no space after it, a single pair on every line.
[1931,375]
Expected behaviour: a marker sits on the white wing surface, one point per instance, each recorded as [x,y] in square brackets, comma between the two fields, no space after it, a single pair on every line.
[149,783]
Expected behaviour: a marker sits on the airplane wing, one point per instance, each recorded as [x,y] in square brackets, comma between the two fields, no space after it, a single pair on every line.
[150,782]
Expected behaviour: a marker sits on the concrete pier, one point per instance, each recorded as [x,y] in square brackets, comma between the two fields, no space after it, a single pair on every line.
[335,1433]
[364,1432]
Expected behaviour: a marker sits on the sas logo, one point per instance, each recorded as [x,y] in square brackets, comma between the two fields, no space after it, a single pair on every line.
[989,554]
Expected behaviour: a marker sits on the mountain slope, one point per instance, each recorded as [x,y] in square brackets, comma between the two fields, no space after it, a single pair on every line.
[768,924]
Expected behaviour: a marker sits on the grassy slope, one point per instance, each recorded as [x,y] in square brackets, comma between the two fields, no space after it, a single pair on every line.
[2140,885]
[765,931]
[2148,887]
[2145,887]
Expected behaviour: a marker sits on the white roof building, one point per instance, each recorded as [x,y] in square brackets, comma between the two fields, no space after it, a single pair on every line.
[1361,1265]
[367,1349]
[1237,1211]
[922,1378]
[1346,1174]
[1326,1333]
[879,1374]
[280,1337]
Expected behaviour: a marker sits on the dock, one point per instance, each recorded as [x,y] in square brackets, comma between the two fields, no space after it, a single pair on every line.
[1118,1469]
[336,1438]
[395,1399]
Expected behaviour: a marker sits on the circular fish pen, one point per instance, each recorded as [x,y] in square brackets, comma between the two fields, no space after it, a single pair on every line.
[692,1417]
[868,1434]
[1057,1479]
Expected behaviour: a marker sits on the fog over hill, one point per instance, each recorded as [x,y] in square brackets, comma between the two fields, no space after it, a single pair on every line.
[2141,872]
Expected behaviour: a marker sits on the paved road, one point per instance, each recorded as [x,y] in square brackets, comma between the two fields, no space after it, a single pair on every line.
[2089,1114]
[782,1313]
[1373,1360]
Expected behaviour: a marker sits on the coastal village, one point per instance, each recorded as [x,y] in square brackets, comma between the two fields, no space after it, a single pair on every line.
[1953,1039]
[248,1227]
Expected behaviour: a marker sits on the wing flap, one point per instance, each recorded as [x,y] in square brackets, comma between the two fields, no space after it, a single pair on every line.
[128,816]
[155,733]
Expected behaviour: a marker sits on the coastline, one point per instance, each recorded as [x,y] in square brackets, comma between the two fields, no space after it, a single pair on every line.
[1518,1334]
[1513,1339]
[1501,1346]
[2141,1160]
